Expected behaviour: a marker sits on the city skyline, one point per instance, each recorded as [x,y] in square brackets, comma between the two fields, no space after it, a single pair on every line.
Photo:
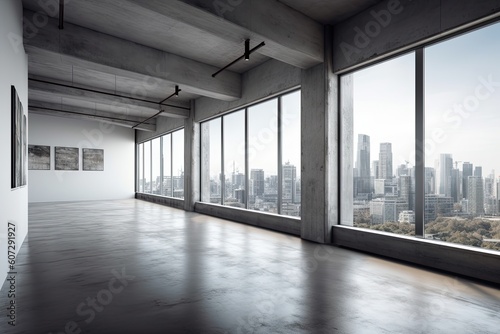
[456,120]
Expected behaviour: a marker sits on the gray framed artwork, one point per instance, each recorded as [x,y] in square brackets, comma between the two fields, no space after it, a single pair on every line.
[93,159]
[38,157]
[66,158]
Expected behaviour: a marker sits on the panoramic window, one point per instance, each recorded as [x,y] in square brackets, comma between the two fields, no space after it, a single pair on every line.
[167,165]
[211,161]
[178,163]
[140,168]
[378,104]
[241,154]
[290,161]
[155,167]
[461,120]
[458,195]
[161,165]
[147,167]
[234,159]
[263,156]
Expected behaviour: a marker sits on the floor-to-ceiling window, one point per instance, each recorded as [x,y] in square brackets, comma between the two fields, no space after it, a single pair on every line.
[178,163]
[381,136]
[140,168]
[419,139]
[161,165]
[251,157]
[462,118]
[234,159]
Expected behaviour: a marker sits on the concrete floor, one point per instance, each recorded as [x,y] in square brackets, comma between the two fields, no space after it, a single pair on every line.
[182,272]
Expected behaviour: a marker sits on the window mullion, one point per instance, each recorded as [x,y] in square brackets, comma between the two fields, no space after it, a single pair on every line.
[419,142]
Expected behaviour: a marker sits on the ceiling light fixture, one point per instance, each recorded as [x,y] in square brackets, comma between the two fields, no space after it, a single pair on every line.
[176,94]
[245,56]
[61,14]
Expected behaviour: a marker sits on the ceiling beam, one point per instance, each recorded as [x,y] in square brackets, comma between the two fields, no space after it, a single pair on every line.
[290,36]
[62,90]
[54,109]
[90,49]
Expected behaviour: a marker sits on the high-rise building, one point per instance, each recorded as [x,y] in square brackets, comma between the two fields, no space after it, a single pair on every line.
[478,171]
[456,183]
[385,161]
[445,167]
[375,169]
[257,177]
[363,165]
[476,195]
[466,172]
[405,190]
[430,180]
[289,183]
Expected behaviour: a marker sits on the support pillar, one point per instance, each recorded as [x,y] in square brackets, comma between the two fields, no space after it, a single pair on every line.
[319,117]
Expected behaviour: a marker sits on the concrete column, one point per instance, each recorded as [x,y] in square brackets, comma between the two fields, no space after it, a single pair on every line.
[319,117]
[191,160]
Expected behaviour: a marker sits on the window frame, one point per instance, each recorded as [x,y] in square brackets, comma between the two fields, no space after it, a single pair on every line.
[279,150]
[141,160]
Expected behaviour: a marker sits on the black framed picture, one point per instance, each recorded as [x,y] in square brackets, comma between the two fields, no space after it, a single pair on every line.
[19,139]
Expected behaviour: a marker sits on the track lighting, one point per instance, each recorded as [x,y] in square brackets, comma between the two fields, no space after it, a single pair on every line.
[245,56]
[247,50]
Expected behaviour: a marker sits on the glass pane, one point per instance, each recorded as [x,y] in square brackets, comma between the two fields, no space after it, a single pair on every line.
[156,167]
[290,134]
[378,112]
[234,159]
[211,161]
[140,169]
[167,165]
[147,167]
[263,156]
[461,124]
[178,163]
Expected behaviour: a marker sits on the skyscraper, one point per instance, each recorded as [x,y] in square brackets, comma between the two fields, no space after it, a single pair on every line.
[466,172]
[405,190]
[445,165]
[257,177]
[385,161]
[478,171]
[289,183]
[476,195]
[376,169]
[456,182]
[363,164]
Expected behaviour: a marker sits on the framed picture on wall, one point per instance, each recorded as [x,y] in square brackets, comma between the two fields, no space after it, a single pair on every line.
[19,139]
[66,158]
[38,157]
[93,159]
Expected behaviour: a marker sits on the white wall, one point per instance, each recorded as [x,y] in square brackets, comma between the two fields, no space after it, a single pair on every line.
[13,71]
[115,182]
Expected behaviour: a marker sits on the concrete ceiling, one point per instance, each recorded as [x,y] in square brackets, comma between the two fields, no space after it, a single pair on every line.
[330,11]
[117,59]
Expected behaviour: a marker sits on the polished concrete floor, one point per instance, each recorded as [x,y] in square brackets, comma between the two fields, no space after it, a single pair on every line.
[135,267]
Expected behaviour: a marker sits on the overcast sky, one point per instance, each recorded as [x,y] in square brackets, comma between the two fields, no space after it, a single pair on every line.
[384,102]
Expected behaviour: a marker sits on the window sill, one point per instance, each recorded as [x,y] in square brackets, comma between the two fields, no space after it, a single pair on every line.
[469,261]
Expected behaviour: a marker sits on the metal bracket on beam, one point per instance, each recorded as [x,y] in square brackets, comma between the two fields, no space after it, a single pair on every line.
[245,56]
[110,94]
[176,94]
